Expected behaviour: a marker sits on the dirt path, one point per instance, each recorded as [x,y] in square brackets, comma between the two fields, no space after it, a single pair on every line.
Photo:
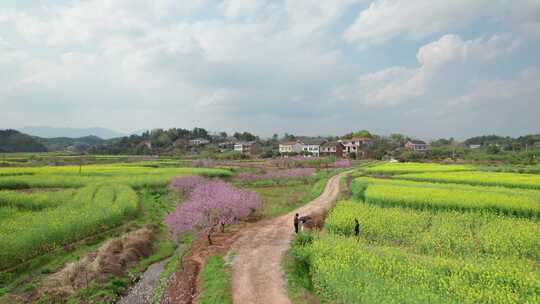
[259,249]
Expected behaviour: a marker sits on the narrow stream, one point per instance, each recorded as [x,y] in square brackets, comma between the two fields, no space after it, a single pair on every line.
[141,292]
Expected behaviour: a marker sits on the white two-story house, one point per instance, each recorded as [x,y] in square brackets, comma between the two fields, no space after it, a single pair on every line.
[293,146]
[313,146]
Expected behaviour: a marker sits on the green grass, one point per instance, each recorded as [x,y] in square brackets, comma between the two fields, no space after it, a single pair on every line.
[296,268]
[108,291]
[280,199]
[156,204]
[215,281]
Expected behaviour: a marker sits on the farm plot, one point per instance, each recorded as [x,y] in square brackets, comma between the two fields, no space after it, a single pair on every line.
[35,200]
[93,209]
[401,168]
[518,202]
[429,242]
[349,271]
[448,233]
[66,204]
[73,177]
[512,180]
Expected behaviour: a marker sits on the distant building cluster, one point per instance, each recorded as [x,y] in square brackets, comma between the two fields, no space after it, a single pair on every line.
[356,147]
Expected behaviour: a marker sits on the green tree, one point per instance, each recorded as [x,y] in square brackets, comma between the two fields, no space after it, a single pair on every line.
[398,138]
[493,149]
[162,140]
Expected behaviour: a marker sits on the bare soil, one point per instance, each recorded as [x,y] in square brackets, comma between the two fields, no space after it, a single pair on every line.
[183,287]
[259,249]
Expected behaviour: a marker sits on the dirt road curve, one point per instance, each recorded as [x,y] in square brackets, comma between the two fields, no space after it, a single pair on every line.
[257,273]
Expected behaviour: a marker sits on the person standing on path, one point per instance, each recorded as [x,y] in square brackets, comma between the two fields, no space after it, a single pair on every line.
[356,228]
[296,222]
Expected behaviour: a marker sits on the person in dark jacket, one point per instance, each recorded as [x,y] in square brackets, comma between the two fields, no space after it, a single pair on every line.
[356,228]
[296,222]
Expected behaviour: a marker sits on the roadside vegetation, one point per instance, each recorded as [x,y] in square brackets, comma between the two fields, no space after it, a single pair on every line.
[215,281]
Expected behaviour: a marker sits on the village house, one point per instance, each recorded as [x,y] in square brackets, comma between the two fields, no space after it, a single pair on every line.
[228,144]
[537,145]
[359,141]
[416,145]
[332,148]
[350,148]
[312,146]
[356,147]
[199,142]
[291,147]
[474,147]
[251,148]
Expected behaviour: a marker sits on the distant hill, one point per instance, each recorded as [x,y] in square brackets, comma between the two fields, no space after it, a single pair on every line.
[53,132]
[15,141]
[74,144]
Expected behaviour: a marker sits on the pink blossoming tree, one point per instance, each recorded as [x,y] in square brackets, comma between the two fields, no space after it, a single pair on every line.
[210,204]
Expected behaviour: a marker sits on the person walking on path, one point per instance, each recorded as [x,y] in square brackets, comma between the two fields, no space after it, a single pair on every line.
[356,228]
[296,222]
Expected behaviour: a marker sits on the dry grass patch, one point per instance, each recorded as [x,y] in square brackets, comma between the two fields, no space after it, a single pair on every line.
[113,258]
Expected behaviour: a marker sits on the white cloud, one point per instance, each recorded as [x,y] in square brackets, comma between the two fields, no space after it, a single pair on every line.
[131,55]
[443,65]
[489,93]
[451,48]
[384,20]
[449,92]
[307,16]
[241,8]
[383,88]
[257,65]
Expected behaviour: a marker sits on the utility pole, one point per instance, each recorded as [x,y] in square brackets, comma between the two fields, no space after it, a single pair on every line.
[80,165]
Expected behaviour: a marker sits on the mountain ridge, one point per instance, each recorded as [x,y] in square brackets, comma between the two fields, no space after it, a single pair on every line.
[67,132]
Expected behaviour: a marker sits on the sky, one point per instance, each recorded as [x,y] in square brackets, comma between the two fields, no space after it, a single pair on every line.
[425,68]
